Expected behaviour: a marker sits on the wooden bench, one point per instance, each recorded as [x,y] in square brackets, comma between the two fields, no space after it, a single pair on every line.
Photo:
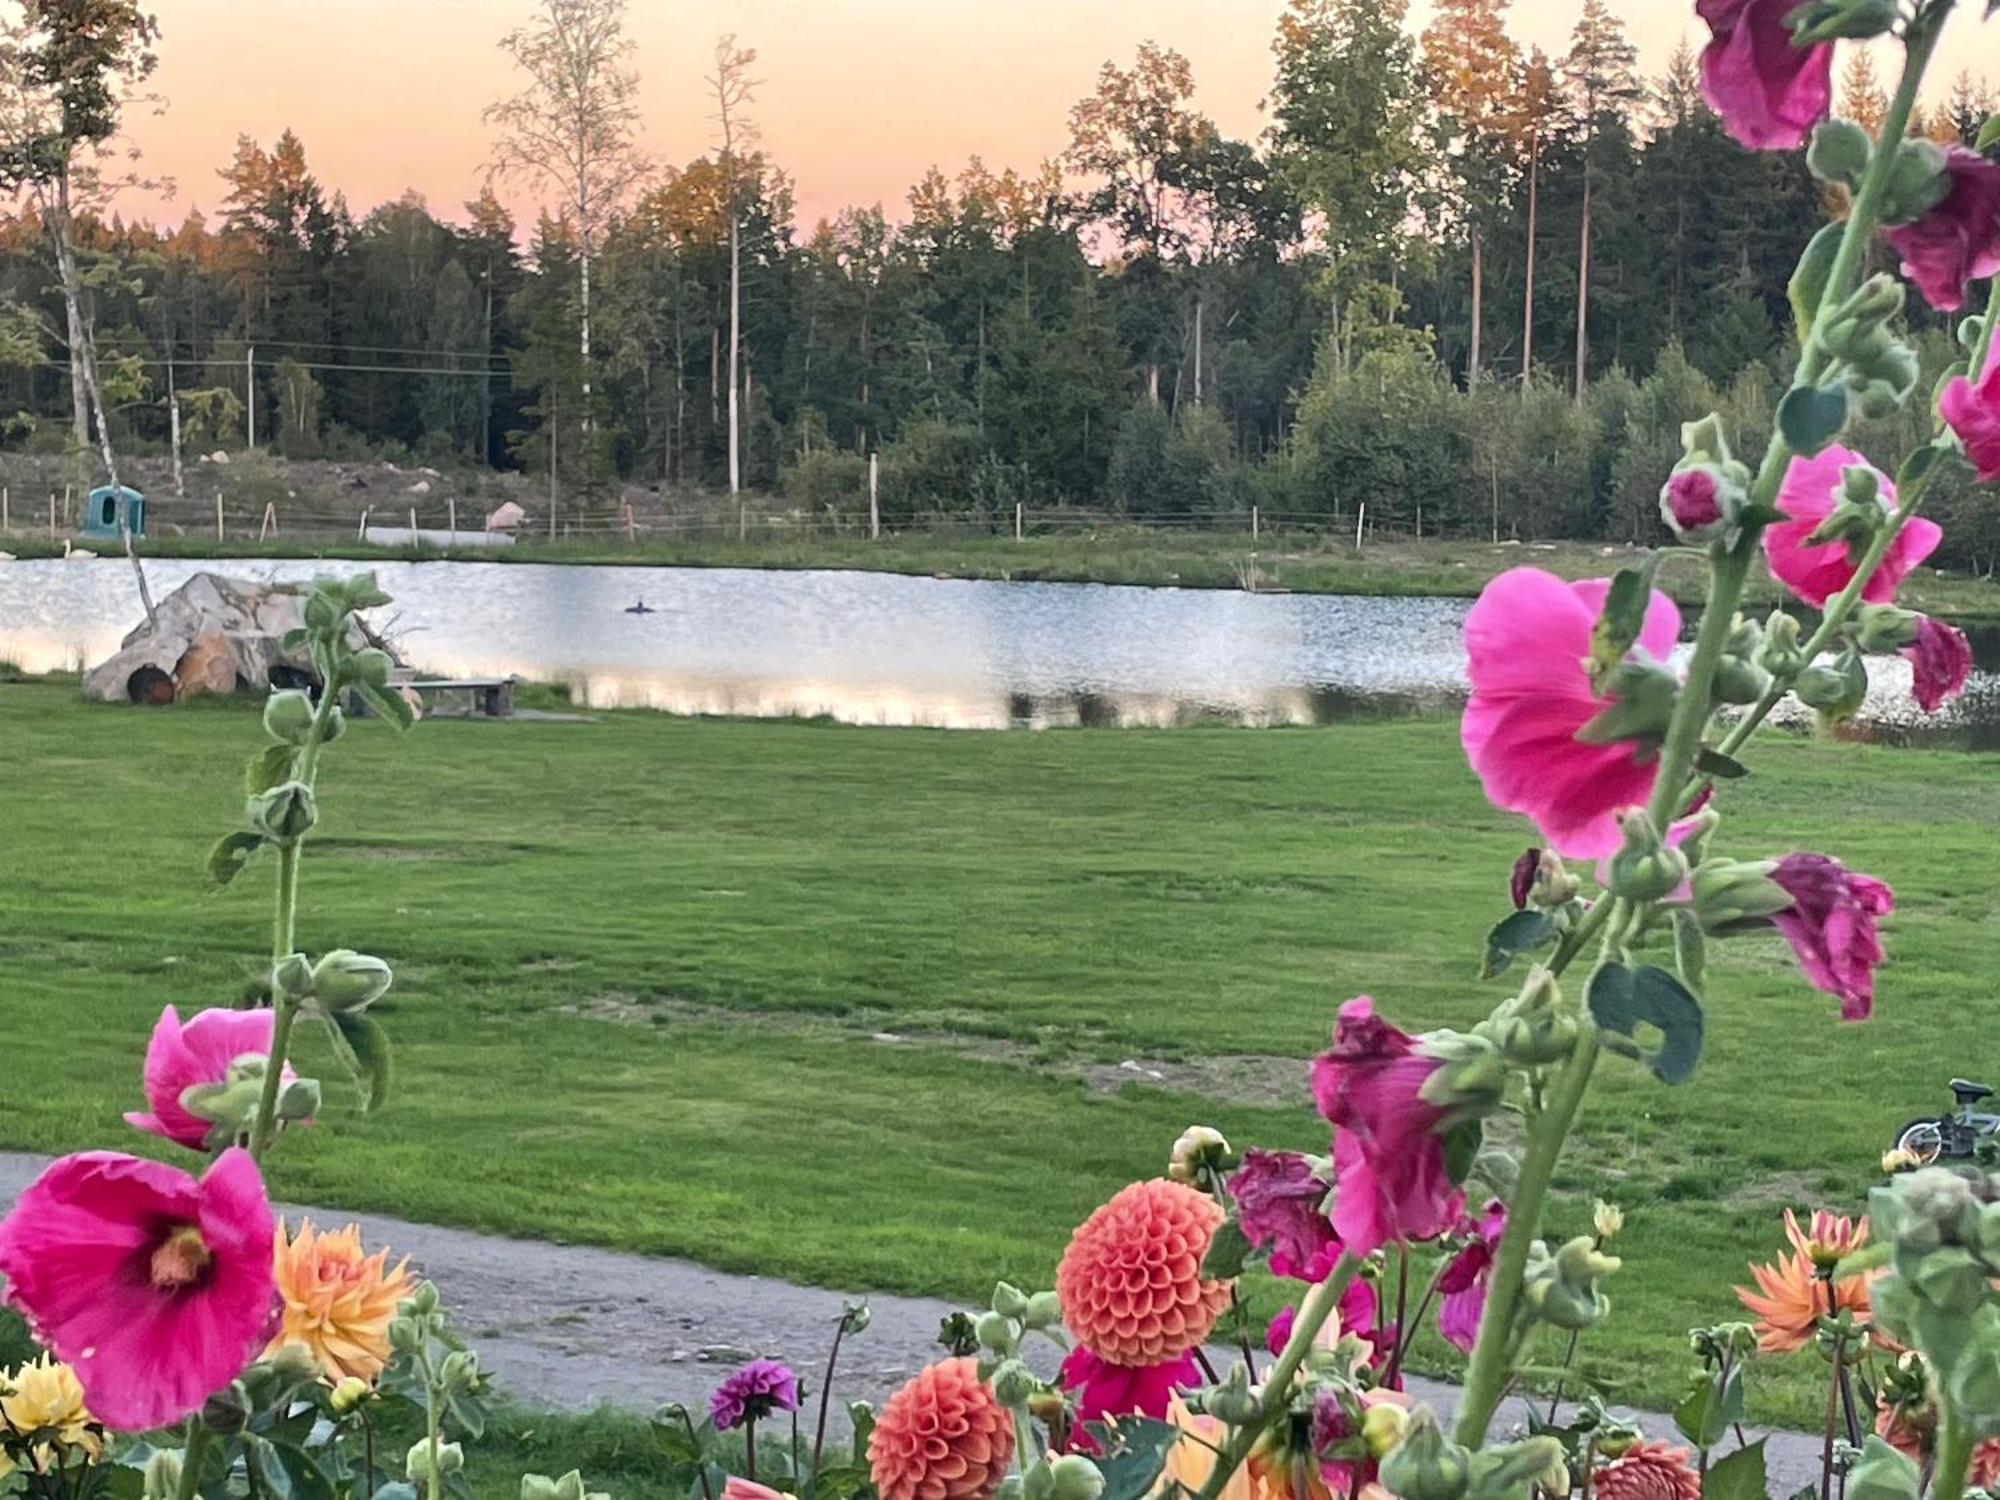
[492,697]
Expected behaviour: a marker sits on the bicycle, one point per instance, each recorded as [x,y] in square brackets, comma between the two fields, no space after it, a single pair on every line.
[1955,1136]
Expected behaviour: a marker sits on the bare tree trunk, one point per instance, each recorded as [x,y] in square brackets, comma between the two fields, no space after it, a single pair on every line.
[174,430]
[1478,296]
[735,337]
[1198,298]
[1528,308]
[83,358]
[1583,290]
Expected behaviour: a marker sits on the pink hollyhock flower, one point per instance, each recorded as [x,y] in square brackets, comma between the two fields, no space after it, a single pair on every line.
[1768,92]
[1387,1154]
[1526,641]
[1281,1202]
[1360,1317]
[1831,927]
[1974,414]
[1957,241]
[1108,1390]
[1694,501]
[1817,572]
[181,1057]
[735,1487]
[1940,663]
[156,1289]
[1462,1284]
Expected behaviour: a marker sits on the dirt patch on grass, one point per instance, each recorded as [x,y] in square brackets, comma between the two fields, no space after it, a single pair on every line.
[1248,1079]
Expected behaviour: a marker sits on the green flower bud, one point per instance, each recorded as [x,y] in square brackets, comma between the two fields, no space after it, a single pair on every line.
[417,1462]
[1198,1149]
[424,1300]
[1729,895]
[405,1336]
[346,980]
[1858,514]
[460,1371]
[998,1332]
[1503,1472]
[1642,705]
[1830,20]
[1918,181]
[1645,869]
[1425,1466]
[1014,1383]
[1837,688]
[1561,1289]
[292,976]
[348,1396]
[299,1099]
[1044,1311]
[1076,1478]
[372,665]
[229,1410]
[1011,1488]
[1010,1301]
[336,725]
[1840,152]
[285,813]
[288,716]
[1233,1401]
[1780,654]
[1039,1483]
[163,1474]
[322,611]
[1883,628]
[855,1317]
[1738,676]
[1472,1078]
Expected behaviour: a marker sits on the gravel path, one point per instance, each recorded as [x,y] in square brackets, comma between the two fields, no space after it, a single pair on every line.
[573,1326]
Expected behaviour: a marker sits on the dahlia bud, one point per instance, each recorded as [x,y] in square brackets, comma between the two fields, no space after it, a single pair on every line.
[1922,1210]
[1645,869]
[1898,1159]
[284,813]
[348,1396]
[346,980]
[1076,1478]
[1383,1427]
[1199,1149]
[288,716]
[1780,654]
[1839,152]
[1607,1219]
[1425,1465]
[1883,628]
[323,612]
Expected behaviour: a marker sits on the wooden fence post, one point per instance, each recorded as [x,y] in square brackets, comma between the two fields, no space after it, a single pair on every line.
[451,511]
[1256,523]
[218,516]
[631,525]
[6,521]
[742,524]
[1018,520]
[874,508]
[1360,518]
[268,526]
[361,531]
[52,515]
[413,526]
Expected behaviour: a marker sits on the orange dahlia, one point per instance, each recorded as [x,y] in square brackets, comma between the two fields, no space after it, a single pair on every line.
[339,1300]
[1130,1282]
[1912,1431]
[1830,1240]
[1791,1299]
[1649,1470]
[944,1436]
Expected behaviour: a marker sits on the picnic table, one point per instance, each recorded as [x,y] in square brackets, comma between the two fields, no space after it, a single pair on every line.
[491,697]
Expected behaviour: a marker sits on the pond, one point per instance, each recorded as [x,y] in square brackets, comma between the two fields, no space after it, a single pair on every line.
[878,648]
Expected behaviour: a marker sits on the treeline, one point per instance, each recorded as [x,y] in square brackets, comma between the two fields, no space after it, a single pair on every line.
[1379,299]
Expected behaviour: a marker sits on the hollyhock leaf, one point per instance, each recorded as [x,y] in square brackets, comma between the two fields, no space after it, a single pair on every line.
[1227,1252]
[1711,762]
[363,1047]
[1622,1001]
[1461,1148]
[1133,1456]
[1624,614]
[272,766]
[1739,1475]
[1808,283]
[231,853]
[1990,131]
[1516,933]
[1811,417]
[1690,948]
[390,705]
[1699,1414]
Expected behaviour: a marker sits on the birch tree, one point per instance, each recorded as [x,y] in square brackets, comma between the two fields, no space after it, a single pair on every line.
[68,70]
[573,126]
[734,91]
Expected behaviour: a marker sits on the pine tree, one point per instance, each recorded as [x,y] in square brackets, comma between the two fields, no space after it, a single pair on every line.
[1600,72]
[1861,97]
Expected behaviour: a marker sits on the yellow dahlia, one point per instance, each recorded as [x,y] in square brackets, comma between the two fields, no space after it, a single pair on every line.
[339,1300]
[45,1396]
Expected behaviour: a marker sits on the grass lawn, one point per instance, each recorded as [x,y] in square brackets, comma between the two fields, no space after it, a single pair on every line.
[1302,562]
[647,966]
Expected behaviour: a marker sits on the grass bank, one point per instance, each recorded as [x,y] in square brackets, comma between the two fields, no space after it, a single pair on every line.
[1300,563]
[894,1009]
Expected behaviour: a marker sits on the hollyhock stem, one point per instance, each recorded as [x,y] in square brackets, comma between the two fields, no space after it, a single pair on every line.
[1954,1453]
[1318,1306]
[192,1454]
[283,931]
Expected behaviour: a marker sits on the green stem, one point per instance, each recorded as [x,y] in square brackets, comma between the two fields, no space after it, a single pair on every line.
[192,1454]
[1317,1307]
[1954,1453]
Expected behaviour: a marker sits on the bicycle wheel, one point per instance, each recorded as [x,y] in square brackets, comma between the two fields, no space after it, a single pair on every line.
[1923,1139]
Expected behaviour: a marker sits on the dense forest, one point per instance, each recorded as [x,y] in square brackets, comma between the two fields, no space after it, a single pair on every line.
[1448,276]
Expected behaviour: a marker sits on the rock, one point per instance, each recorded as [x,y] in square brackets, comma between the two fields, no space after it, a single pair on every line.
[208,666]
[506,517]
[223,633]
[6,557]
[217,457]
[421,487]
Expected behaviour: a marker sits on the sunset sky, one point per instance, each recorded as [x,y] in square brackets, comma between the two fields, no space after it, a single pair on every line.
[858,96]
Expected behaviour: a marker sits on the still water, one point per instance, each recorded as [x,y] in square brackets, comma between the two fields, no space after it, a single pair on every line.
[872,648]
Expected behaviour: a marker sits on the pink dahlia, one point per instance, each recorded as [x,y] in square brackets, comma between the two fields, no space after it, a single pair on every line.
[1831,927]
[943,1436]
[1388,1156]
[753,1393]
[1462,1283]
[1956,241]
[1768,91]
[1817,571]
[184,1056]
[1281,1202]
[1649,1470]
[1526,641]
[155,1288]
[1940,663]
[1973,410]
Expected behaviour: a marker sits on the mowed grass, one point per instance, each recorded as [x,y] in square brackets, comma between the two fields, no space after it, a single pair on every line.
[851,1005]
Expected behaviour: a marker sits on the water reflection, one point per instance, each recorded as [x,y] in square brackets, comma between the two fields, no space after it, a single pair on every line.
[876,648]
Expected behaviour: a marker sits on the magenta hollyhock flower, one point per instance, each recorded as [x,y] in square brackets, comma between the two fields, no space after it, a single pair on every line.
[1281,1202]
[1462,1283]
[1108,1390]
[1388,1156]
[1768,91]
[1526,642]
[158,1290]
[181,1057]
[1956,241]
[1831,926]
[1360,1316]
[1940,663]
[1817,572]
[1974,414]
[1694,500]
[1521,880]
[753,1393]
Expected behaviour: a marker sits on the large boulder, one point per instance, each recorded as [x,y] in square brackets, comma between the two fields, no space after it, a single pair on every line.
[212,635]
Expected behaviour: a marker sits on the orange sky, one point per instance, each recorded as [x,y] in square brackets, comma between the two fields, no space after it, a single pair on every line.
[859,96]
